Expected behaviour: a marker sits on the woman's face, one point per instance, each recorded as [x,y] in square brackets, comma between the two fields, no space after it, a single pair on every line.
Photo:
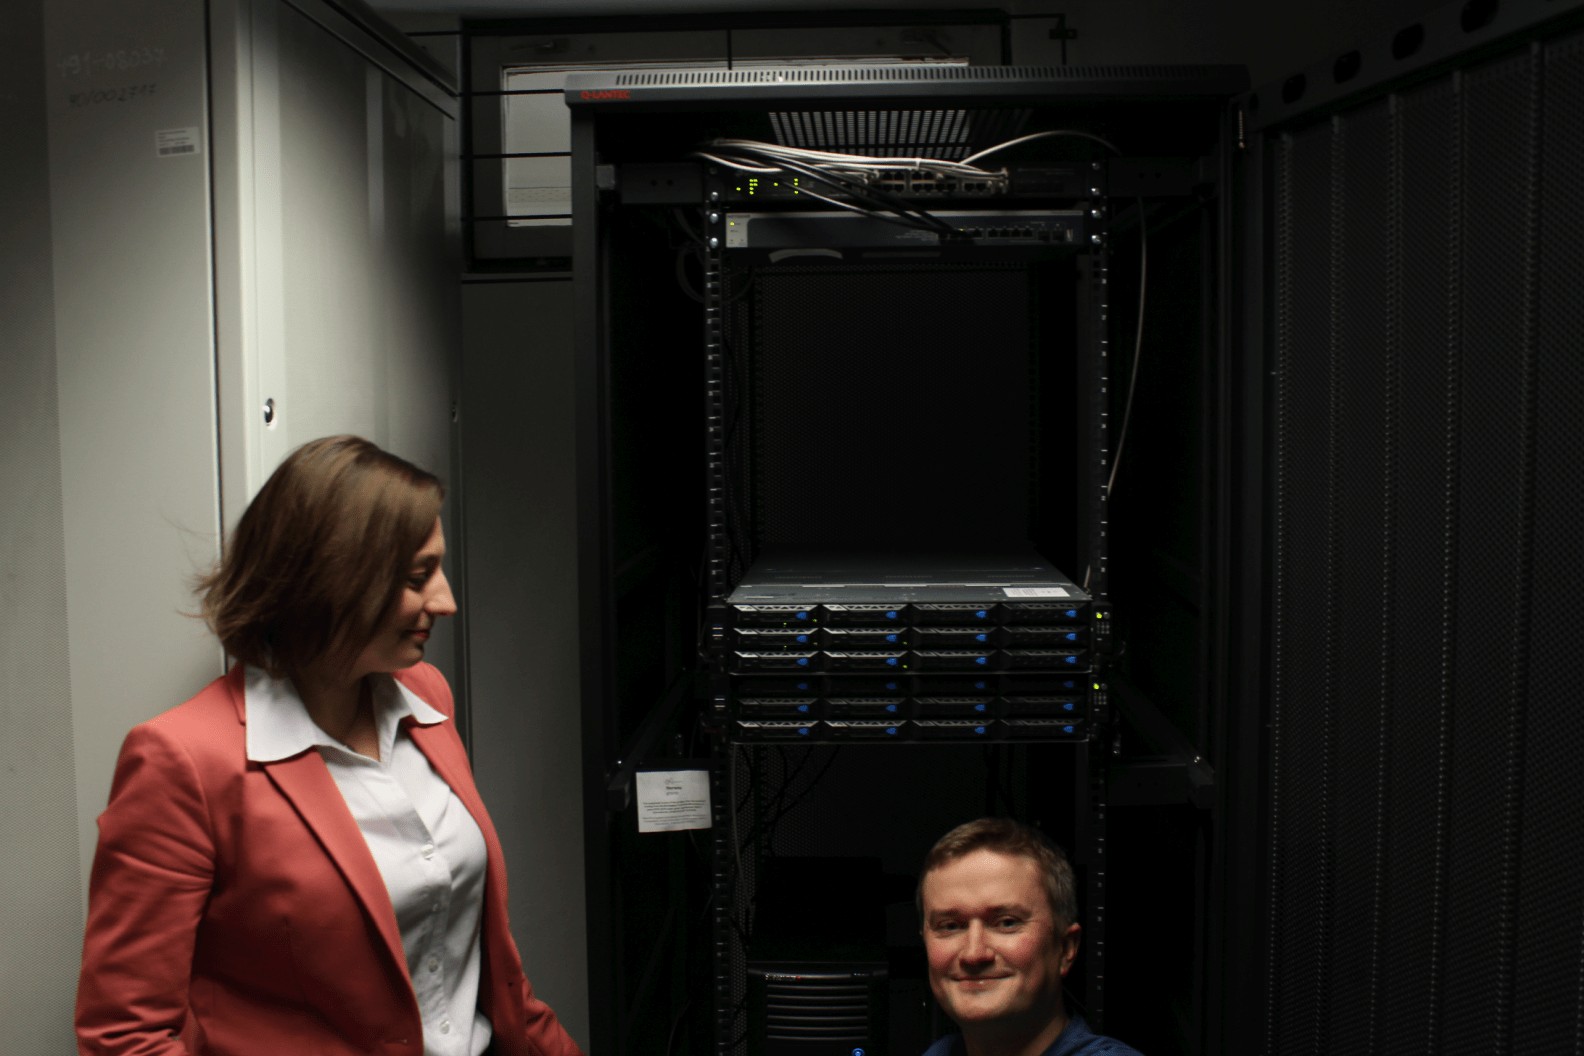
[425,597]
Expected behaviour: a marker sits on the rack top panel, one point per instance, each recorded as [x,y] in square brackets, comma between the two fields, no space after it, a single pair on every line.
[912,81]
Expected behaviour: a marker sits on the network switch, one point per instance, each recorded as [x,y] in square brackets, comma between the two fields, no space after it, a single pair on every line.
[839,229]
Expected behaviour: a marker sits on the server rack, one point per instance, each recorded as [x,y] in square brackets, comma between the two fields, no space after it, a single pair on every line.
[875,589]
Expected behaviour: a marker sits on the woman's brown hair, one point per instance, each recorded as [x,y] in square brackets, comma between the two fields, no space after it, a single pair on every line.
[319,555]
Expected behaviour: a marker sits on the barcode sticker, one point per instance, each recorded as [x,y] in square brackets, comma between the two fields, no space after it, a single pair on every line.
[1035,592]
[172,142]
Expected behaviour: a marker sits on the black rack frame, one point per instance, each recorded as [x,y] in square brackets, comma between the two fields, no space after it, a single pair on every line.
[609,756]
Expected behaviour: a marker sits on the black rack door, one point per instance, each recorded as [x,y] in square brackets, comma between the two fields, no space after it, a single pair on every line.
[1425,760]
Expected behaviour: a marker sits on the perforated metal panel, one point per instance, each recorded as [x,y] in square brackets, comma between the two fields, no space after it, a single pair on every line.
[1493,528]
[1426,763]
[943,133]
[1301,772]
[1362,356]
[1545,1014]
[1422,405]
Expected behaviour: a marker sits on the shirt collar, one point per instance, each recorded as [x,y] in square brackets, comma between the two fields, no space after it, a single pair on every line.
[279,727]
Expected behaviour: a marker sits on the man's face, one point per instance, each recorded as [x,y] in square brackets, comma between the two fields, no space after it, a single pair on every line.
[996,957]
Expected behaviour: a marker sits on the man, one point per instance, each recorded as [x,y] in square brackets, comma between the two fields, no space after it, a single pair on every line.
[1000,930]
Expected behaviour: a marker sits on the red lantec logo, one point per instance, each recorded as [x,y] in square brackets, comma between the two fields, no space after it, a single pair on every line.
[607,93]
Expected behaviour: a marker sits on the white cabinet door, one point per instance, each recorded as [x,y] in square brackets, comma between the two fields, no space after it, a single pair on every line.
[338,301]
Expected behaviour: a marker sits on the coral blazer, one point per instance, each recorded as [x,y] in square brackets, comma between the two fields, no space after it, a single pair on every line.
[235,909]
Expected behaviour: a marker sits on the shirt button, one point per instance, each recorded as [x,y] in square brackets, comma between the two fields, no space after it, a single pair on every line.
[427,850]
[434,964]
[445,1026]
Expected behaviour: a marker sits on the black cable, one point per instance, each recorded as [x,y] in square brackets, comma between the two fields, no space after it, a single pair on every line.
[680,216]
[683,252]
[853,187]
[909,215]
[787,807]
[675,1023]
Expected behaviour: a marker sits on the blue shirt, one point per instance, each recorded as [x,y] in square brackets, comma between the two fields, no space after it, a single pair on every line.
[1076,1040]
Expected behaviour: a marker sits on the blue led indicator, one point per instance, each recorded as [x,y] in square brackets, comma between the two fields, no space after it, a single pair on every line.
[803,731]
[860,1052]
[979,729]
[802,661]
[803,708]
[802,615]
[1072,614]
[980,684]
[981,637]
[1072,636]
[981,659]
[890,731]
[891,637]
[802,637]
[1070,659]
[1069,683]
[891,708]
[804,686]
[891,615]
[979,707]
[1067,729]
[892,661]
[1067,705]
[891,685]
[981,614]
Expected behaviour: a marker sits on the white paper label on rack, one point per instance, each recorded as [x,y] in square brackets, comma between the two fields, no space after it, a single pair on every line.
[672,800]
[1036,592]
[174,142]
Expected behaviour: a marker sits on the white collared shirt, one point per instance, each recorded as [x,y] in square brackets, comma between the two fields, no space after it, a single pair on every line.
[427,846]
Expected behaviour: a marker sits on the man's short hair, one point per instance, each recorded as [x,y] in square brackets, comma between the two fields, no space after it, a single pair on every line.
[1016,840]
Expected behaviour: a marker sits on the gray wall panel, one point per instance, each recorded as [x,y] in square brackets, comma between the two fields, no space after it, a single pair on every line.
[41,915]
[368,330]
[523,640]
[134,363]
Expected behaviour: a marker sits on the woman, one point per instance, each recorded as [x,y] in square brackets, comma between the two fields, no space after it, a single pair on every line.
[296,861]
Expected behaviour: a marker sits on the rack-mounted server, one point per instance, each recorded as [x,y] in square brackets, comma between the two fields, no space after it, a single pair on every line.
[981,650]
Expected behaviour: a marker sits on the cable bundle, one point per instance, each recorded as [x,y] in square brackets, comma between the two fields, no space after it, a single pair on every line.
[849,180]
